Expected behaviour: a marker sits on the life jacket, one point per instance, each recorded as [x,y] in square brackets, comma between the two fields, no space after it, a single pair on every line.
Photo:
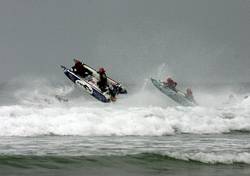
[79,67]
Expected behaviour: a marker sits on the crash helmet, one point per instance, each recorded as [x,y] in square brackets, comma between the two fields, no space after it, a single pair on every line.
[101,70]
[169,80]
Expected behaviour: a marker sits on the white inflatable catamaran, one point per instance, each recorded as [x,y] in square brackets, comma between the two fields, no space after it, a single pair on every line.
[89,84]
[176,95]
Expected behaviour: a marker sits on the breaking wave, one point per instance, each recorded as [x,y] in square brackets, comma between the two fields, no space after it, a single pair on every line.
[20,120]
[43,109]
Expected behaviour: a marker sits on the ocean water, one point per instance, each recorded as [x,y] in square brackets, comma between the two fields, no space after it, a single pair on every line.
[52,128]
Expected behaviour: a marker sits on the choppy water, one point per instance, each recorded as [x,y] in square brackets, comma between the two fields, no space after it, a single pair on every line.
[52,129]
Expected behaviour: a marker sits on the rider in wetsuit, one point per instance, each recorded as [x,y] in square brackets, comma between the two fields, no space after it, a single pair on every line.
[170,83]
[80,70]
[103,81]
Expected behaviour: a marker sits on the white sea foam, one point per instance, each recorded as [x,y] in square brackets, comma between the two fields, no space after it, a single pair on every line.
[64,119]
[213,158]
[39,111]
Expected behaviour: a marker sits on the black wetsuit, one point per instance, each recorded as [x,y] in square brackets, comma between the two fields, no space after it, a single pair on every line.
[103,82]
[80,70]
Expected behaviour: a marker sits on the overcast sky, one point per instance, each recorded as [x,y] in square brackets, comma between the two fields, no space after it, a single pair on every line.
[199,40]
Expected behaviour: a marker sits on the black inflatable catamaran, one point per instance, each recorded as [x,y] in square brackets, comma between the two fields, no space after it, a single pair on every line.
[89,84]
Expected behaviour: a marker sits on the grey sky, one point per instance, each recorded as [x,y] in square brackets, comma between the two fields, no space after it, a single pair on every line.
[200,40]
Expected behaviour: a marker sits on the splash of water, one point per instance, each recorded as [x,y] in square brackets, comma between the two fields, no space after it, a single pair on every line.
[146,112]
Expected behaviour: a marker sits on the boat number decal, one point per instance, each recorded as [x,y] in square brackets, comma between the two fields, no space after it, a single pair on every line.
[85,86]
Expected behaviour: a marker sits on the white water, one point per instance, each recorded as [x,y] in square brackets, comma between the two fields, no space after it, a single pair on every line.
[144,112]
[213,158]
[20,120]
[38,111]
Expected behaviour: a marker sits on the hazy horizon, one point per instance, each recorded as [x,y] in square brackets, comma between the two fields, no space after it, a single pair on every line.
[198,40]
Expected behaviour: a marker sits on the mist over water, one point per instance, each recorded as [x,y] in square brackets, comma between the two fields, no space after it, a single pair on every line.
[43,106]
[201,41]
